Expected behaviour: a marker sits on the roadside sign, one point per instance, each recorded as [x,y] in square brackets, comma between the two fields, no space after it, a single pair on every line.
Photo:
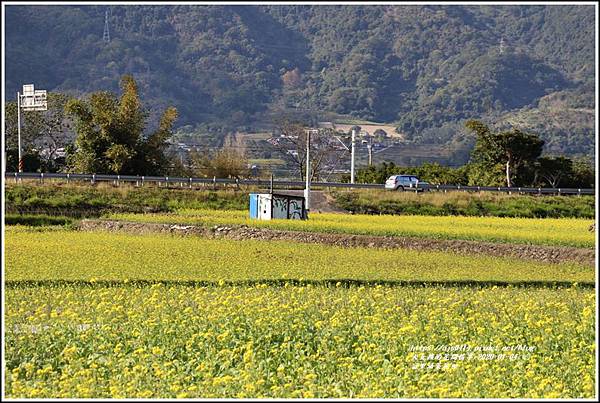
[33,100]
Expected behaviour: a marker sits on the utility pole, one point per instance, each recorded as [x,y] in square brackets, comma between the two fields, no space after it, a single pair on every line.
[370,148]
[19,130]
[352,162]
[307,189]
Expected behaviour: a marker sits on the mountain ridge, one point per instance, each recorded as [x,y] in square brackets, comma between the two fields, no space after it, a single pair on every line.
[422,68]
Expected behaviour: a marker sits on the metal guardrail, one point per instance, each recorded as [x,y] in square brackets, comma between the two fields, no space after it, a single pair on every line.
[141,180]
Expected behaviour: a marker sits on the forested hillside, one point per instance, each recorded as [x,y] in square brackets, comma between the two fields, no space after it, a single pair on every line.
[422,68]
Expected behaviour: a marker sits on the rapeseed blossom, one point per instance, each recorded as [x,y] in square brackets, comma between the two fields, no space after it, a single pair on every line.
[298,341]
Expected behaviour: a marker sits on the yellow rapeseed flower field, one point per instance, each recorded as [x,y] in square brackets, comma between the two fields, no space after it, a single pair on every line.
[102,256]
[298,341]
[115,315]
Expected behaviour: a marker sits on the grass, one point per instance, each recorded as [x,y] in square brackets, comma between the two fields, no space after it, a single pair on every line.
[84,200]
[100,256]
[560,232]
[299,342]
[467,204]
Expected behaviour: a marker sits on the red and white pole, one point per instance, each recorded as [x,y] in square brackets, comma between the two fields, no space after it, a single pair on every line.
[19,130]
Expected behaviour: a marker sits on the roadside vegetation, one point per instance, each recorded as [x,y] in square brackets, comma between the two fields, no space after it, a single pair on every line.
[465,204]
[84,200]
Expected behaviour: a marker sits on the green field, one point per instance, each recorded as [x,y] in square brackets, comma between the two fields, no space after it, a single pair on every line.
[85,200]
[565,232]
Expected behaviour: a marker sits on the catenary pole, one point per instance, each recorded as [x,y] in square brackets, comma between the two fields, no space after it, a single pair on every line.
[352,162]
[307,189]
[19,130]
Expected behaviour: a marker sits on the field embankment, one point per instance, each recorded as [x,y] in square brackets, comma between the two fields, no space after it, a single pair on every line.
[540,253]
[84,200]
[553,232]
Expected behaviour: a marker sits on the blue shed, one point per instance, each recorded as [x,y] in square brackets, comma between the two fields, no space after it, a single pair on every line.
[266,206]
[254,205]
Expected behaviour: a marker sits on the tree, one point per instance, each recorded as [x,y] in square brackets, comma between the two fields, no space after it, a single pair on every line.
[554,170]
[510,148]
[225,163]
[436,174]
[583,174]
[42,134]
[292,78]
[483,174]
[380,135]
[377,173]
[325,149]
[154,149]
[110,134]
[55,132]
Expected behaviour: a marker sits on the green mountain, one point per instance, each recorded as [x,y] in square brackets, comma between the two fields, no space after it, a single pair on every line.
[422,68]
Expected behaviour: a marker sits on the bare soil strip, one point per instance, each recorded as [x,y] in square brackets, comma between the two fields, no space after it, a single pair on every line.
[550,254]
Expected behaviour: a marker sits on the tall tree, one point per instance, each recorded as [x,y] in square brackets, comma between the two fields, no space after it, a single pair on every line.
[584,174]
[510,148]
[110,134]
[554,170]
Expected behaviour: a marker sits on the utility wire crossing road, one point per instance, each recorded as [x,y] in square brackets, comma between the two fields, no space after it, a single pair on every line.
[141,180]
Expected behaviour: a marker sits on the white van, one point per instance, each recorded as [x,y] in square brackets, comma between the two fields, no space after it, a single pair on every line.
[405,182]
